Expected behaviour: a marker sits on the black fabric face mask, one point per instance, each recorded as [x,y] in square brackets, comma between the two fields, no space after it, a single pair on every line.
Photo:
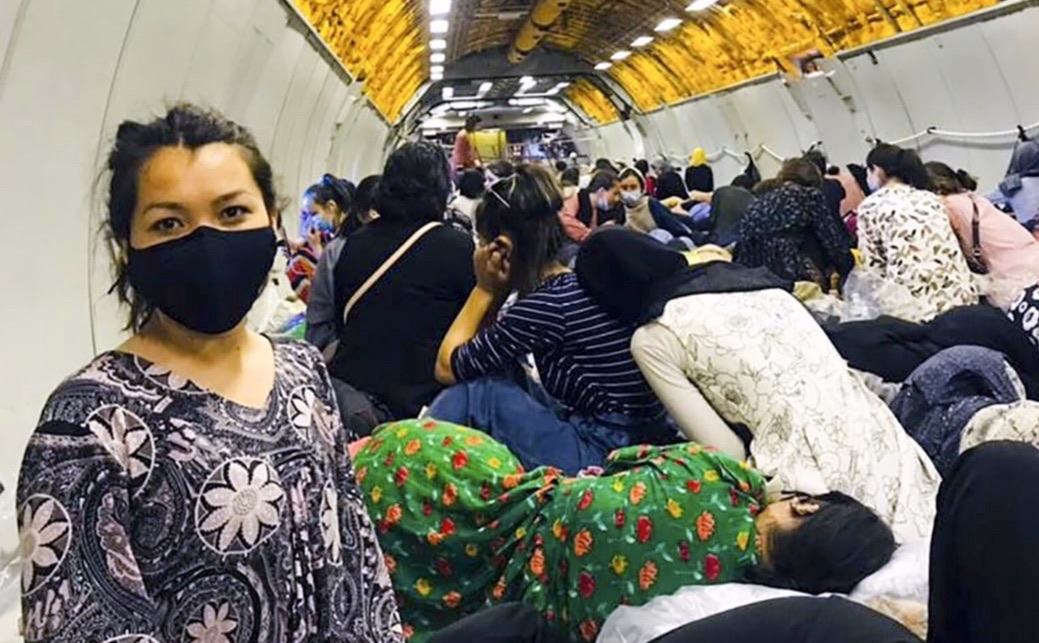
[206,281]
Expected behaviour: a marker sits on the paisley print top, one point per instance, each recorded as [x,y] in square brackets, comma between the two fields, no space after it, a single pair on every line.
[905,237]
[152,510]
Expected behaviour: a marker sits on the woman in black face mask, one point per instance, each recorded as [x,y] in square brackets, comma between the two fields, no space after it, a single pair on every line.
[196,481]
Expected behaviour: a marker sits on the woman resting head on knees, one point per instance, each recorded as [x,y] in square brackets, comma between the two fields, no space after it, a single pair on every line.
[328,209]
[464,526]
[723,345]
[1001,247]
[791,231]
[905,236]
[600,400]
[167,486]
[643,212]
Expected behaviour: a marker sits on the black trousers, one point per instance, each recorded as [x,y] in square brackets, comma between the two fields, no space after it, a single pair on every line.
[984,570]
[506,623]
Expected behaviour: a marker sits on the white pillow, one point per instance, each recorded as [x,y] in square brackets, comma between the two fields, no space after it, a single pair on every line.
[905,577]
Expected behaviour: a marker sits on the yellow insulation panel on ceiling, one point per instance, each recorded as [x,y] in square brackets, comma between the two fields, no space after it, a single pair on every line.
[382,43]
[745,39]
[592,101]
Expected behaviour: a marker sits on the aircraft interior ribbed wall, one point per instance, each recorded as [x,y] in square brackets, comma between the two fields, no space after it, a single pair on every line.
[977,77]
[70,71]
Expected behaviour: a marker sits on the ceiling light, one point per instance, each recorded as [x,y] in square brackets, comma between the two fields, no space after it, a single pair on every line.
[448,92]
[620,55]
[441,26]
[528,110]
[437,69]
[553,91]
[439,7]
[603,66]
[563,85]
[438,44]
[528,80]
[642,41]
[485,87]
[700,5]
[668,24]
[526,102]
[436,77]
[437,58]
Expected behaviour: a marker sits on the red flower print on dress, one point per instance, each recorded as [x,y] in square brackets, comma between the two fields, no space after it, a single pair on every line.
[389,459]
[447,526]
[693,486]
[705,526]
[586,500]
[393,515]
[537,562]
[683,551]
[447,441]
[712,567]
[452,599]
[583,543]
[734,497]
[638,492]
[643,529]
[485,491]
[427,509]
[586,585]
[443,567]
[459,459]
[401,476]
[589,629]
[647,575]
[429,426]
[619,518]
[450,494]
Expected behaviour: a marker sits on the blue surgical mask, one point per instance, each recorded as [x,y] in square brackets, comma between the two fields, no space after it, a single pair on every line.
[322,225]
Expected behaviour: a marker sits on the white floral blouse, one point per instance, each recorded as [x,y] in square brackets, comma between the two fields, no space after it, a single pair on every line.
[905,236]
[152,510]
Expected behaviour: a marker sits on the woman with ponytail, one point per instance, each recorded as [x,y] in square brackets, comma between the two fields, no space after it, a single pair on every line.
[998,245]
[327,208]
[905,236]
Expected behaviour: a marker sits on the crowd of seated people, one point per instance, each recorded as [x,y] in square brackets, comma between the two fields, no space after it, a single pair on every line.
[531,395]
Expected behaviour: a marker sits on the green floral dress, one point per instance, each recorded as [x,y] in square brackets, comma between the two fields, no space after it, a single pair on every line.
[463,526]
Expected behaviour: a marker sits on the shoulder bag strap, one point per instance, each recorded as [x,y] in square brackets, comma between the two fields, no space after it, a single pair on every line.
[394,258]
[975,226]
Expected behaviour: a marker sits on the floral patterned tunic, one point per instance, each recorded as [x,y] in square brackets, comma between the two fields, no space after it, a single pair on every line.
[152,510]
[905,236]
[463,525]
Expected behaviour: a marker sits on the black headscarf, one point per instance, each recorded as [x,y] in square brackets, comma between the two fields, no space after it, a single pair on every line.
[670,184]
[633,275]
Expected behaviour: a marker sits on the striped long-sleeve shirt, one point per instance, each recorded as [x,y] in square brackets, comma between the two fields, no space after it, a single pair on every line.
[583,354]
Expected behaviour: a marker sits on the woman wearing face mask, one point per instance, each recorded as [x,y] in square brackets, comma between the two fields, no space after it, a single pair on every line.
[643,213]
[599,399]
[328,207]
[195,481]
[905,236]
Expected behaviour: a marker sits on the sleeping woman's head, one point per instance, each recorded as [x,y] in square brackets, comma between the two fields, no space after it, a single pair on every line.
[817,544]
[521,213]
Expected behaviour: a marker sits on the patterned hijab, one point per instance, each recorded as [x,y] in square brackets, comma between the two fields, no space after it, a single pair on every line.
[1025,313]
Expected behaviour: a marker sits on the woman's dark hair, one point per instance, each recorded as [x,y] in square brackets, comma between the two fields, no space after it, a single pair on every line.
[415,184]
[603,180]
[945,180]
[671,184]
[801,171]
[471,184]
[816,158]
[860,175]
[472,121]
[367,190]
[501,169]
[831,550]
[604,165]
[561,166]
[571,177]
[186,126]
[904,165]
[743,181]
[642,165]
[344,195]
[631,171]
[525,207]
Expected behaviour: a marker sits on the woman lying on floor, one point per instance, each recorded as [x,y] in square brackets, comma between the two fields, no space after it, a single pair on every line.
[600,401]
[723,344]
[463,525]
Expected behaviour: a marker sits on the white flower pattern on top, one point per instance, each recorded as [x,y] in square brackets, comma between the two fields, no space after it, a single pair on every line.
[127,438]
[302,401]
[330,524]
[239,506]
[214,626]
[45,533]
